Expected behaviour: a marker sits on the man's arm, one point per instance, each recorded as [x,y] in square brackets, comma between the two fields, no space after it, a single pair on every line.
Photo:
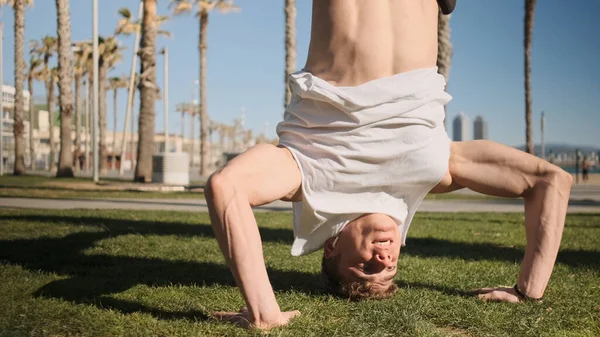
[260,175]
[498,170]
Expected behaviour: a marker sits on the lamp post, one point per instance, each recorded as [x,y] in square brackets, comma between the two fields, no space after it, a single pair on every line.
[130,95]
[2,103]
[96,86]
[193,123]
[87,126]
[165,52]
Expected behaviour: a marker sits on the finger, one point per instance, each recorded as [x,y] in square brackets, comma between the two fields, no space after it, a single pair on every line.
[499,296]
[289,315]
[285,319]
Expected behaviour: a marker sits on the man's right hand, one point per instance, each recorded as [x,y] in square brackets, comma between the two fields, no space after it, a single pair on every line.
[245,319]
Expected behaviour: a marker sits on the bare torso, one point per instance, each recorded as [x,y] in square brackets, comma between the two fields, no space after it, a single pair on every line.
[356,41]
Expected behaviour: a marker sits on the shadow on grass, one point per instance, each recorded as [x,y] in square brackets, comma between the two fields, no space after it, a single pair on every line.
[117,227]
[129,307]
[438,288]
[431,247]
[93,278]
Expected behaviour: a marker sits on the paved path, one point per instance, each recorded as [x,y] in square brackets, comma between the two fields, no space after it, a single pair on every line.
[490,205]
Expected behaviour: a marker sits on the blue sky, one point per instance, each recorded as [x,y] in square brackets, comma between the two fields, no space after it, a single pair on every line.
[246,63]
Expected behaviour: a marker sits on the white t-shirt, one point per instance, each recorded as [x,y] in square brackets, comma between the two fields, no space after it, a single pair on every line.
[379,147]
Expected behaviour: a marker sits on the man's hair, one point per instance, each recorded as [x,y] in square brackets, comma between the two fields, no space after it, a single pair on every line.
[354,290]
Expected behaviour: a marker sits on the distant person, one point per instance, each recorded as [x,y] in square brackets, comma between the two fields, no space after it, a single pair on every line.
[585,169]
[361,144]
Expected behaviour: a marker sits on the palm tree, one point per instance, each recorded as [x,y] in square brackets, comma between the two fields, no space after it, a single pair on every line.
[445,51]
[109,54]
[529,11]
[18,126]
[248,136]
[204,8]
[126,26]
[46,50]
[290,46]
[116,83]
[50,77]
[80,69]
[65,88]
[148,90]
[33,74]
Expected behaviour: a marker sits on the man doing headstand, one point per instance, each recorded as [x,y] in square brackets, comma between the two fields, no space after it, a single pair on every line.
[361,144]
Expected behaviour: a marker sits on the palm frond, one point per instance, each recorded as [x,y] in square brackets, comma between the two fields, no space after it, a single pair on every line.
[34,46]
[126,27]
[125,13]
[226,6]
[165,33]
[160,19]
[181,6]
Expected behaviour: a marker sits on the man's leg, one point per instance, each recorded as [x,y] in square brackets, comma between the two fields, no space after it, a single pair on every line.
[498,170]
[260,175]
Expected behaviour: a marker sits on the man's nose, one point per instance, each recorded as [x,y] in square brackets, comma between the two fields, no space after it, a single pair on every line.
[383,257]
[383,260]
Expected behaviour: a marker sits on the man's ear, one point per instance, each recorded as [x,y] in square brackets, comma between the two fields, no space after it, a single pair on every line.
[329,248]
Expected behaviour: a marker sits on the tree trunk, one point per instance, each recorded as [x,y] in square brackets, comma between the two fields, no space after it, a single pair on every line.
[31,119]
[148,87]
[203,108]
[114,140]
[529,11]
[50,100]
[65,88]
[102,155]
[290,46]
[78,127]
[18,127]
[445,51]
[88,123]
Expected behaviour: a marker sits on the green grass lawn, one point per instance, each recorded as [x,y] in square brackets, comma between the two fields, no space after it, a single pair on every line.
[52,193]
[31,186]
[9,180]
[109,273]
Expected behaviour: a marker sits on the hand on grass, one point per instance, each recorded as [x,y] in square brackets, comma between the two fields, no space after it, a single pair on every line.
[244,319]
[501,294]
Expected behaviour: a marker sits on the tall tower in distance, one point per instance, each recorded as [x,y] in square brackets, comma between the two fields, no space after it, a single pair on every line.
[460,128]
[480,128]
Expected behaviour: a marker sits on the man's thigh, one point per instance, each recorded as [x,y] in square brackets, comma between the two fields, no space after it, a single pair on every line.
[447,184]
[492,168]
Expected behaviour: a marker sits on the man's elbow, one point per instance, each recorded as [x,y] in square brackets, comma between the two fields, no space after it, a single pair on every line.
[559,179]
[562,179]
[216,185]
[222,186]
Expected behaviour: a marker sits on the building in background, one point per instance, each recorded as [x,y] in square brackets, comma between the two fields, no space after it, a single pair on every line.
[460,128]
[480,128]
[7,112]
